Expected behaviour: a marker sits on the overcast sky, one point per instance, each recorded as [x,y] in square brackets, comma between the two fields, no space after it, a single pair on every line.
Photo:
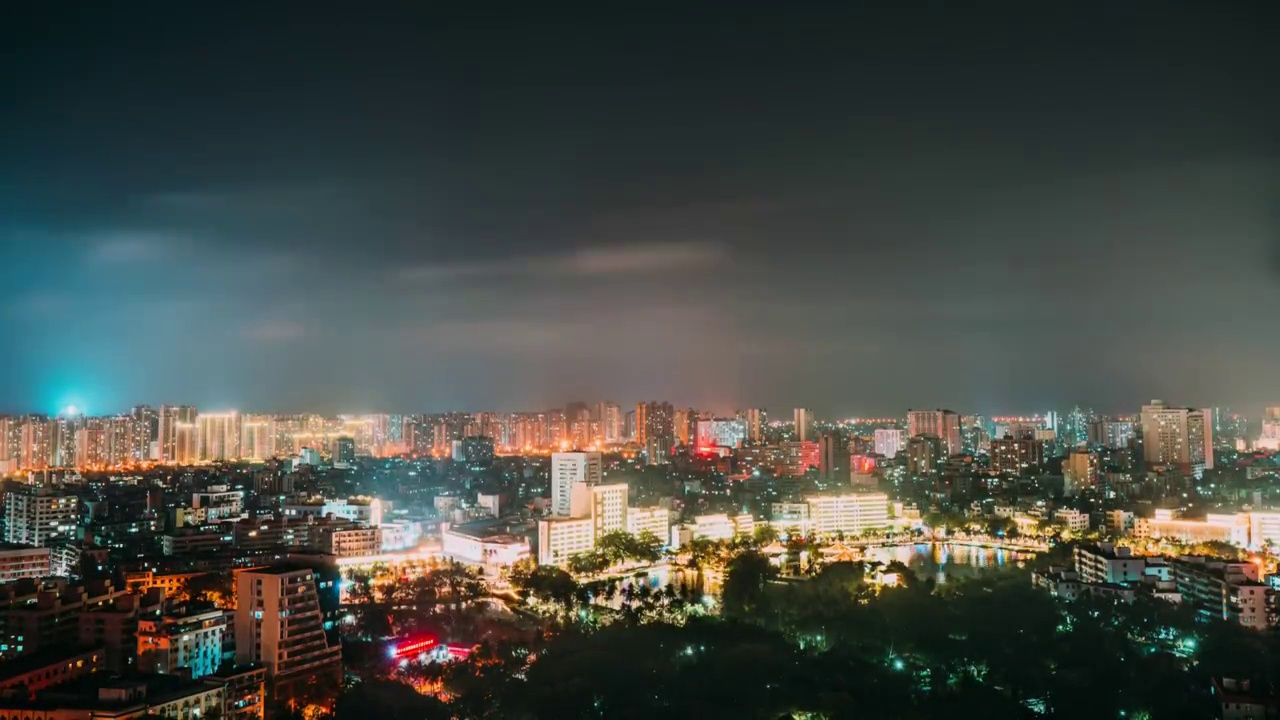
[293,208]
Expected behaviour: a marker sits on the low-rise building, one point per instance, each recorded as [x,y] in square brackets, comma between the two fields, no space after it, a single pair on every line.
[1106,563]
[559,538]
[25,677]
[351,541]
[1228,591]
[485,545]
[24,561]
[245,691]
[182,640]
[655,520]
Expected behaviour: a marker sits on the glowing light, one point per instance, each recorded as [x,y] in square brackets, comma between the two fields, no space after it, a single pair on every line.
[412,647]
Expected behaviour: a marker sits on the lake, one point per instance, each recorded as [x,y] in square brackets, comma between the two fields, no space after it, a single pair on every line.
[942,560]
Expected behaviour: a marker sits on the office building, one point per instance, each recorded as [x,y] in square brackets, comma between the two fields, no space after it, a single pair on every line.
[561,537]
[890,441]
[851,513]
[605,505]
[1177,438]
[942,424]
[655,520]
[279,624]
[568,469]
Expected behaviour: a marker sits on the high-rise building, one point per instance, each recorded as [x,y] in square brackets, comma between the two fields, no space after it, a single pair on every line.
[258,437]
[828,448]
[39,516]
[344,451]
[569,469]
[91,443]
[611,423]
[1079,471]
[1111,434]
[477,452]
[686,426]
[890,441]
[924,455]
[35,444]
[121,432]
[1014,456]
[1268,440]
[219,436]
[658,434]
[279,625]
[146,426]
[606,505]
[1180,438]
[804,424]
[942,424]
[756,419]
[721,432]
[167,431]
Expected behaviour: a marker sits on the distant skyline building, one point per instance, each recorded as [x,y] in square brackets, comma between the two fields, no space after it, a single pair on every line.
[942,424]
[219,436]
[1180,438]
[756,419]
[803,419]
[170,416]
[890,441]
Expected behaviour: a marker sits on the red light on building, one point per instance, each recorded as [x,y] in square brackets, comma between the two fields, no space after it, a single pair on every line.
[862,464]
[411,648]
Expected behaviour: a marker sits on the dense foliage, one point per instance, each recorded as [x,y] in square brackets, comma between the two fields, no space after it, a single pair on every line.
[834,646]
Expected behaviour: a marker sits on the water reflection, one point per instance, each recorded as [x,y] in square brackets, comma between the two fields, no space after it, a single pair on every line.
[943,560]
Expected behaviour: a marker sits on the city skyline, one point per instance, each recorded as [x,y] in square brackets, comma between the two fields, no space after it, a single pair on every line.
[788,209]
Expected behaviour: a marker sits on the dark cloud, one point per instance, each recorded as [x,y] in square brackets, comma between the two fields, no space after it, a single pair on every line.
[857,209]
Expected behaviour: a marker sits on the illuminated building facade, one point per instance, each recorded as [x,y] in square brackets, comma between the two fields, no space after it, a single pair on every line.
[1180,438]
[942,424]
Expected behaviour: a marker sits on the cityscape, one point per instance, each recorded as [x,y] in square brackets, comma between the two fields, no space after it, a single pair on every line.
[260,565]
[727,361]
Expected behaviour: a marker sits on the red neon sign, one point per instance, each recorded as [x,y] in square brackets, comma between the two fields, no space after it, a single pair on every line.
[414,647]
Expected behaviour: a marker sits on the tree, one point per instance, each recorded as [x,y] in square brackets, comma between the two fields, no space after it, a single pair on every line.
[747,574]
[216,588]
[764,534]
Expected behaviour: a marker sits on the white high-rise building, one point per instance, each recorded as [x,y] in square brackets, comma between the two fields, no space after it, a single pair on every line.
[568,469]
[890,441]
[258,437]
[171,416]
[1181,438]
[219,436]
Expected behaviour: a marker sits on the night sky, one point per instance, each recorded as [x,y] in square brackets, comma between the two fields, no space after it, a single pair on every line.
[858,211]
